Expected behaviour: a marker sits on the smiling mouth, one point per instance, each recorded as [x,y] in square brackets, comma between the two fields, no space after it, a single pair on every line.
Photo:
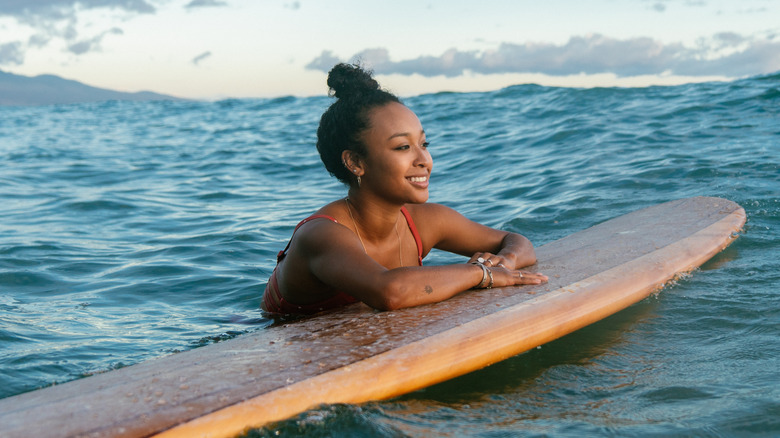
[418,179]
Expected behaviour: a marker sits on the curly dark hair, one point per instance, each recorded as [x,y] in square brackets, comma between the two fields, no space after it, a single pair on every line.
[342,125]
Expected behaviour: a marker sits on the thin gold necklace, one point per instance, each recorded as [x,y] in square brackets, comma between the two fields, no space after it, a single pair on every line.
[357,231]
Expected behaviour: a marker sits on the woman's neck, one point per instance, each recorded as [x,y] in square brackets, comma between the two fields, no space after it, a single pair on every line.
[377,219]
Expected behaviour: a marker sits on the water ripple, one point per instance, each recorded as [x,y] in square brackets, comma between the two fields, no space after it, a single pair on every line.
[130,230]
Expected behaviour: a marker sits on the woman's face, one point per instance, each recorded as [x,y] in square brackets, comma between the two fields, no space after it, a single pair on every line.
[397,162]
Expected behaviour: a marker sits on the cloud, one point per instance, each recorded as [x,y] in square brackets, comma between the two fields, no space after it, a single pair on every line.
[196,60]
[725,54]
[324,62]
[294,5]
[11,53]
[93,43]
[62,9]
[58,20]
[758,57]
[660,5]
[38,40]
[205,3]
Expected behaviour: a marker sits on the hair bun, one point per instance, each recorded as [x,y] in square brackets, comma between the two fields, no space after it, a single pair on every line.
[349,80]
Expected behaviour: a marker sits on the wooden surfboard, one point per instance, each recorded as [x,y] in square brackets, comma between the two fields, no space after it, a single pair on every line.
[357,354]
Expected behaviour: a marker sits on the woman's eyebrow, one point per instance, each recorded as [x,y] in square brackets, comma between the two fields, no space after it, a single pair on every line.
[404,134]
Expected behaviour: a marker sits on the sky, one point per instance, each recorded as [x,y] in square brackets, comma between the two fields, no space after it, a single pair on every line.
[214,49]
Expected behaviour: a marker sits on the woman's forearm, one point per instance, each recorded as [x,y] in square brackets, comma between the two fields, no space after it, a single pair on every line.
[413,286]
[518,250]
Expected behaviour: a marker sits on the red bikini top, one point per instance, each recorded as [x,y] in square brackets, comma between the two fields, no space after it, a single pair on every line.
[274,301]
[404,211]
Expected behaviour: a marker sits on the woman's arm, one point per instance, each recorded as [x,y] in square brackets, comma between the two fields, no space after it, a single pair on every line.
[446,229]
[514,252]
[336,258]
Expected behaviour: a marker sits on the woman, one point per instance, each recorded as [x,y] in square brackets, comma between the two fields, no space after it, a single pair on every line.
[369,246]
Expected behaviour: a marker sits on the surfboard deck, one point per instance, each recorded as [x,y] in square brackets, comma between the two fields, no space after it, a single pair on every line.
[357,354]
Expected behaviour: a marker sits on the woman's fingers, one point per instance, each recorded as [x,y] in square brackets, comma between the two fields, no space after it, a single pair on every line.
[479,257]
[510,276]
[525,277]
[488,259]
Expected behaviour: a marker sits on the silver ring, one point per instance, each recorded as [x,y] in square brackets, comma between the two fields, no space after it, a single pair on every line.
[480,260]
[501,264]
[521,274]
[488,260]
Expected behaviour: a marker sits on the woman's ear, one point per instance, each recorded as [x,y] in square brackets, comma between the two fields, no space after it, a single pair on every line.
[352,162]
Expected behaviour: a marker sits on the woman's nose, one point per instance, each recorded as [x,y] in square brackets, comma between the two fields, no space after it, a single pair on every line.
[423,158]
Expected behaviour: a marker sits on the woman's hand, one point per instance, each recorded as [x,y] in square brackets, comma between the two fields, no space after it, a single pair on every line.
[504,272]
[493,260]
[511,277]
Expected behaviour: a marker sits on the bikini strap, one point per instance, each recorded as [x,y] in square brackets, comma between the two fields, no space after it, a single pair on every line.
[283,252]
[415,234]
[407,216]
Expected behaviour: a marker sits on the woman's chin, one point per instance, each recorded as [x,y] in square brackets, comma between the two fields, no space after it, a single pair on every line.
[420,198]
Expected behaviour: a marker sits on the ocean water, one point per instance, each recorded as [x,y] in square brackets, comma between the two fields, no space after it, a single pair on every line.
[133,230]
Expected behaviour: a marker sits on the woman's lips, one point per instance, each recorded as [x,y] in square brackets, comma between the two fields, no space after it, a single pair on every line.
[419,181]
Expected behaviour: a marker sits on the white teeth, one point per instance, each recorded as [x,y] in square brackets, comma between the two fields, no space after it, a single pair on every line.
[418,179]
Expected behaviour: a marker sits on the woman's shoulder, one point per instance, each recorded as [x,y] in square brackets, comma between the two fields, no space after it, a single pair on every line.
[327,217]
[335,210]
[320,230]
[429,210]
[433,219]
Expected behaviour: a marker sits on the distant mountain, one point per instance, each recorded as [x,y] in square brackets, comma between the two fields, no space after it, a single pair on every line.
[50,89]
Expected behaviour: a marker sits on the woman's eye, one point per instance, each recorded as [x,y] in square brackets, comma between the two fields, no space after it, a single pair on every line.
[401,148]
[426,144]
